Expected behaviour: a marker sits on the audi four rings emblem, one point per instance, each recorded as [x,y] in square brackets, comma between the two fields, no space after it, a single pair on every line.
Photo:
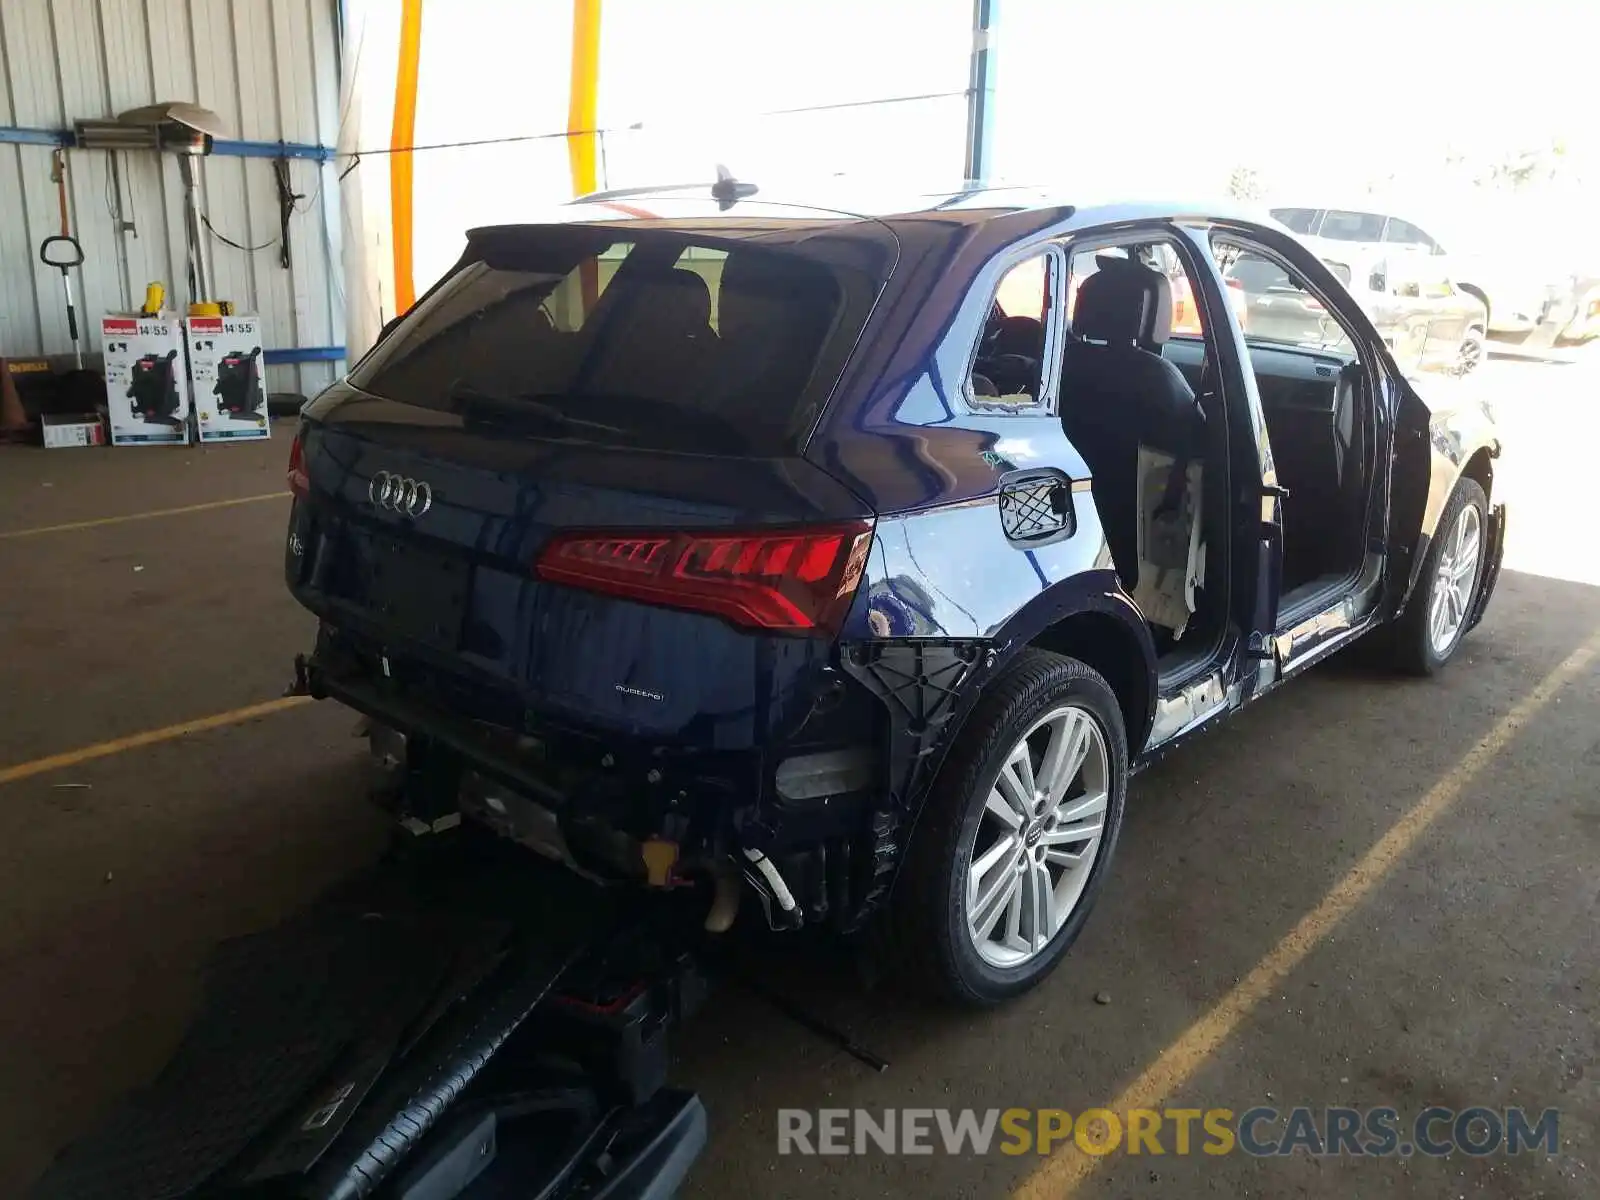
[409,497]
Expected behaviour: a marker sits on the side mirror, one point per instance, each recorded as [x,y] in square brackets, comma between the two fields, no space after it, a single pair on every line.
[1378,281]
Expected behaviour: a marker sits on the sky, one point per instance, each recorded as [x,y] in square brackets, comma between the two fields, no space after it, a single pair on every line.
[1324,101]
[1314,96]
[1137,92]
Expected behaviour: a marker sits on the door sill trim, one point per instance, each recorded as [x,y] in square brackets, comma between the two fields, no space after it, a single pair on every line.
[1321,598]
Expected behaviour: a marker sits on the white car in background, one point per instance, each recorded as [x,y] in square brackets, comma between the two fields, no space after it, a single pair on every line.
[1521,296]
[1585,321]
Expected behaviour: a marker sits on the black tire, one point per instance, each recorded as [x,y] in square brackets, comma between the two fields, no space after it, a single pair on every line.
[927,912]
[1414,651]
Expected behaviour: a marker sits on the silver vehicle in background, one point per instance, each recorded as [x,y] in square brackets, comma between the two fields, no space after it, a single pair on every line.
[1520,300]
[1428,322]
[1585,321]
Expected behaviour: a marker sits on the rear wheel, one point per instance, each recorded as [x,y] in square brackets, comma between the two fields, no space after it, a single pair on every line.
[1018,832]
[1431,628]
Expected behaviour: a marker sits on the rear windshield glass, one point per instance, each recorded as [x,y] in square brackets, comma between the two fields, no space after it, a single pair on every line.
[635,336]
[1298,219]
[1344,226]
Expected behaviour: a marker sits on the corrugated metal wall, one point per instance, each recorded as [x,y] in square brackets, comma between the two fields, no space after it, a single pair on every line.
[269,68]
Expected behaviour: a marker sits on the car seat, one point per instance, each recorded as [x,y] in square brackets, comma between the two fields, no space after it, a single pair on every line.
[1010,356]
[689,307]
[659,338]
[1118,393]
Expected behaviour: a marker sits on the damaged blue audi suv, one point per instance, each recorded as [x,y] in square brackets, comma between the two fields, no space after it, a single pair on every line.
[844,565]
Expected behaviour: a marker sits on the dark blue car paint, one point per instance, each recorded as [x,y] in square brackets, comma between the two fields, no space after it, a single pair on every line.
[945,600]
[1454,439]
[689,677]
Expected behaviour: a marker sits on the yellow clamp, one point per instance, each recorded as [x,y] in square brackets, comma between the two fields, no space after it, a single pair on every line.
[660,856]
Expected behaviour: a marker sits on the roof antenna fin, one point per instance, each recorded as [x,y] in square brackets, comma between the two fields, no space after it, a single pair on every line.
[728,191]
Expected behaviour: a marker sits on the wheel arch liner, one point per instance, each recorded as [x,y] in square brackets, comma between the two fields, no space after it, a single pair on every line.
[924,685]
[928,688]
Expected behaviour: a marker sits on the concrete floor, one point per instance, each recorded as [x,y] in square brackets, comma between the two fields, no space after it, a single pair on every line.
[1469,975]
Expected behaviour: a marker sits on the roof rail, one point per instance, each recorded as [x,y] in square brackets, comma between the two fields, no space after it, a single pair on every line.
[629,192]
[725,190]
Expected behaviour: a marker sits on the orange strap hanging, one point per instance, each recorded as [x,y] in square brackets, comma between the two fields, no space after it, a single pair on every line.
[58,176]
[401,139]
[582,107]
[583,95]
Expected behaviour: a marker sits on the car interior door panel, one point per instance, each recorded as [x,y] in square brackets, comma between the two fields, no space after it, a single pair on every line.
[1309,401]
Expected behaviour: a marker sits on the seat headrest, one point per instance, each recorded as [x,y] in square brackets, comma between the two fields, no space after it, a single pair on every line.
[1124,301]
[669,303]
[687,292]
[752,295]
[1018,335]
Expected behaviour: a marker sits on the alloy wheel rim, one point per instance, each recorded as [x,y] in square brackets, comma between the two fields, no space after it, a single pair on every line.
[1455,581]
[1037,838]
[1471,355]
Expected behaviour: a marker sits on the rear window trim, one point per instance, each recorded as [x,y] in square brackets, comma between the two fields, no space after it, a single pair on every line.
[1054,346]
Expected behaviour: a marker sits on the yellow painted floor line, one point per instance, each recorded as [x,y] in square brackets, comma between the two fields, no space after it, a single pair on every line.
[1059,1177]
[140,516]
[149,737]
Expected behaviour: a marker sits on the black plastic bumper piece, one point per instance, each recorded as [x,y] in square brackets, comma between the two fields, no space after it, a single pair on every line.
[1494,554]
[516,1151]
[641,1152]
[463,736]
[667,1137]
[393,1041]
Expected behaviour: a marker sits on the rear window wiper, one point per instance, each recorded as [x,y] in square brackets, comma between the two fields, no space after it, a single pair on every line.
[680,422]
[522,409]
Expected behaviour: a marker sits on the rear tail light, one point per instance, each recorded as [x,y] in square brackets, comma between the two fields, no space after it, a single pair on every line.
[784,580]
[299,481]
